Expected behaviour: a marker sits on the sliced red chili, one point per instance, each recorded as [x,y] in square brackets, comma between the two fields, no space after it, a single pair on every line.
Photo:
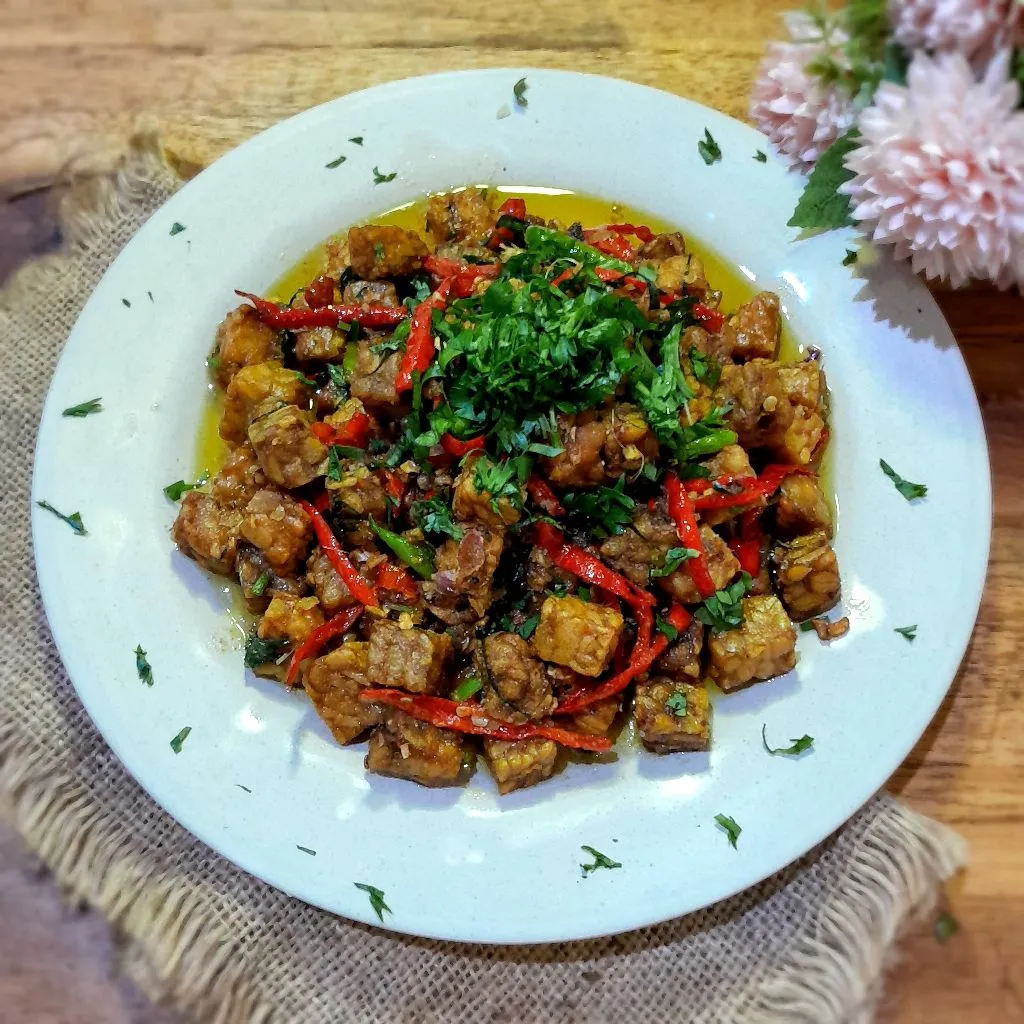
[543,496]
[456,448]
[471,719]
[358,587]
[680,508]
[644,233]
[748,546]
[341,623]
[616,246]
[320,292]
[708,317]
[394,485]
[563,276]
[286,318]
[419,346]
[353,433]
[513,207]
[397,580]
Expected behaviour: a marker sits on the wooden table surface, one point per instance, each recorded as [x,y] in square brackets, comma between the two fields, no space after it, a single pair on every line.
[79,77]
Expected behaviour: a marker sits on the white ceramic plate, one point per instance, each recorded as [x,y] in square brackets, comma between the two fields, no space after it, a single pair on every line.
[463,864]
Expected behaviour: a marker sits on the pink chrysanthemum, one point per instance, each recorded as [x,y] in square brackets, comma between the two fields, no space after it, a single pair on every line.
[940,174]
[798,113]
[972,27]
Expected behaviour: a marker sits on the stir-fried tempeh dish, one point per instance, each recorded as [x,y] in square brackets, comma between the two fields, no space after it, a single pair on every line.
[495,486]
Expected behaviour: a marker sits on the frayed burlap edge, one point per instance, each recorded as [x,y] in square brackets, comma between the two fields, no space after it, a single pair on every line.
[180,953]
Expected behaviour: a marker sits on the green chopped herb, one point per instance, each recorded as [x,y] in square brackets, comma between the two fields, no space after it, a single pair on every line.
[732,830]
[339,377]
[177,228]
[376,899]
[547,450]
[356,140]
[674,558]
[807,626]
[245,788]
[705,368]
[822,205]
[174,492]
[600,861]
[306,849]
[761,157]
[796,746]
[601,511]
[126,304]
[583,593]
[260,584]
[519,92]
[528,626]
[74,520]
[946,926]
[213,362]
[380,179]
[905,487]
[150,294]
[261,652]
[142,666]
[336,162]
[378,252]
[178,740]
[677,705]
[435,517]
[709,149]
[909,633]
[662,625]
[503,479]
[85,409]
[724,611]
[303,379]
[466,689]
[850,258]
[333,463]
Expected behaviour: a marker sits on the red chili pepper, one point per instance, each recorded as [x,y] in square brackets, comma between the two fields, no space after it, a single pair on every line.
[643,657]
[394,485]
[463,275]
[286,318]
[616,246]
[322,502]
[397,580]
[540,491]
[680,508]
[456,448]
[358,587]
[772,476]
[353,433]
[563,276]
[419,347]
[320,292]
[513,207]
[608,275]
[708,317]
[748,546]
[751,493]
[586,566]
[341,623]
[469,718]
[645,234]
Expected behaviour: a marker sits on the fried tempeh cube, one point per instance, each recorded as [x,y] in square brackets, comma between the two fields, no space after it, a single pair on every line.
[762,647]
[577,633]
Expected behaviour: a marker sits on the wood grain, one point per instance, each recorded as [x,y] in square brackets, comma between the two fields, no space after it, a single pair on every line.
[79,77]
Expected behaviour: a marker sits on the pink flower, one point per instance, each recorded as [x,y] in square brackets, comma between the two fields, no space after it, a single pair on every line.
[798,113]
[973,27]
[940,174]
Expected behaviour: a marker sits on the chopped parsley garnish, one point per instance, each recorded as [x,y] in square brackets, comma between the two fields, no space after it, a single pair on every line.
[466,689]
[946,926]
[732,830]
[601,511]
[822,205]
[305,849]
[796,746]
[674,558]
[333,463]
[244,788]
[84,409]
[178,740]
[435,517]
[174,492]
[663,626]
[339,377]
[142,666]
[378,252]
[519,92]
[356,140]
[502,479]
[709,149]
[761,157]
[600,861]
[807,626]
[150,294]
[260,584]
[376,899]
[261,652]
[380,179]
[336,162]
[724,611]
[705,368]
[529,624]
[677,705]
[909,633]
[74,520]
[303,379]
[850,258]
[909,490]
[126,304]
[176,229]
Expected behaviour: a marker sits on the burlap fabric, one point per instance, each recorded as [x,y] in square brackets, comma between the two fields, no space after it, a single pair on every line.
[809,944]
